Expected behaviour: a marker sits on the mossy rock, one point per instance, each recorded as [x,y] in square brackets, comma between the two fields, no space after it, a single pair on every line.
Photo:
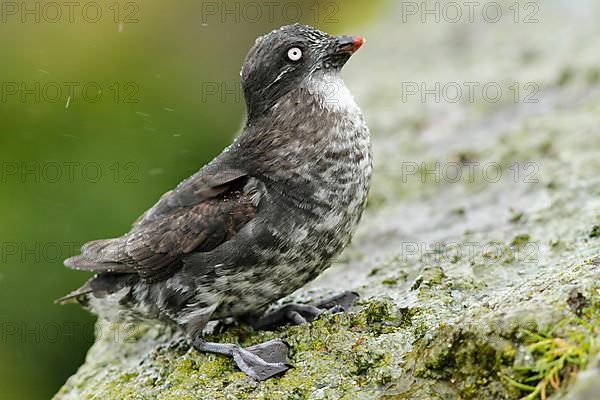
[447,296]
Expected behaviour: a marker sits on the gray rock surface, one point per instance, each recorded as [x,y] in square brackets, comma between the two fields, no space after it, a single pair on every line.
[480,244]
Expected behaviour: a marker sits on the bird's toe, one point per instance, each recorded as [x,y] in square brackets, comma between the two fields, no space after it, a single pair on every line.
[251,361]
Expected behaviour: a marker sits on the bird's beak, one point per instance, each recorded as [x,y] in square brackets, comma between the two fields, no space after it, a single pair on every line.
[349,44]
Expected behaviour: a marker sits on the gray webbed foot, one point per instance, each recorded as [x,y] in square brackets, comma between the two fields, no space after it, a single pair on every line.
[273,351]
[342,301]
[260,362]
[304,313]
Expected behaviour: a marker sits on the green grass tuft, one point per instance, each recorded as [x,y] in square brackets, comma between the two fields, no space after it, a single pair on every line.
[556,356]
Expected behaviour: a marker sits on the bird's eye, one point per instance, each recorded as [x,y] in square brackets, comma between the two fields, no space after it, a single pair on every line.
[294,54]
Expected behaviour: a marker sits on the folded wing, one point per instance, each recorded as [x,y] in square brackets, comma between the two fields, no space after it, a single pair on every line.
[201,213]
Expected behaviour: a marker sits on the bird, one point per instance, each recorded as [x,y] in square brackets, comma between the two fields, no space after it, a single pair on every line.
[266,216]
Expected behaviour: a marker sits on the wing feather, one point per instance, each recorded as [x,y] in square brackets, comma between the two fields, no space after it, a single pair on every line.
[200,214]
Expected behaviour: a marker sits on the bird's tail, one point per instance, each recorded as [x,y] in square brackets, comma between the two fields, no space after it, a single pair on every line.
[76,296]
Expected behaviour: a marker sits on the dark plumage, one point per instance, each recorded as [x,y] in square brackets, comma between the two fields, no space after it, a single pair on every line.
[265,217]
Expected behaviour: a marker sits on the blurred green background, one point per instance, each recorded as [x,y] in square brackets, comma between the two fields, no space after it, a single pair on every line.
[104,106]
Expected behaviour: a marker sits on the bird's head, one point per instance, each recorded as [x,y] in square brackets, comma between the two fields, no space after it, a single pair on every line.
[284,58]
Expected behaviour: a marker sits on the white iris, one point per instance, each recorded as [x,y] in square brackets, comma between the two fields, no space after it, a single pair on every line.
[294,54]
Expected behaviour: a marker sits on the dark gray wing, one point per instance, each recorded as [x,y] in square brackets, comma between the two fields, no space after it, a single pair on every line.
[201,213]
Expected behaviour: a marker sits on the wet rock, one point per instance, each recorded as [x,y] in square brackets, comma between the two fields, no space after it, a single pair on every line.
[449,300]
